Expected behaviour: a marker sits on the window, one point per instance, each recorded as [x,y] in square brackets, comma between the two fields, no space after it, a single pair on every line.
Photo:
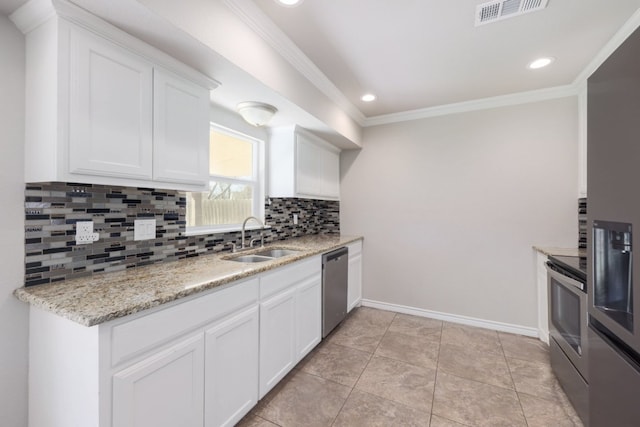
[236,176]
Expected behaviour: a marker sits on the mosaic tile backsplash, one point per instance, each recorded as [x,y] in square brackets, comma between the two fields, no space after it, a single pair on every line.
[582,223]
[52,210]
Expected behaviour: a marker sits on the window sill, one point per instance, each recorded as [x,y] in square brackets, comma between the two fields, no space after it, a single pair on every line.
[198,231]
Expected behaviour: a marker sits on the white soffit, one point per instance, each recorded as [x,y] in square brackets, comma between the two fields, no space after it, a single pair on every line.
[260,23]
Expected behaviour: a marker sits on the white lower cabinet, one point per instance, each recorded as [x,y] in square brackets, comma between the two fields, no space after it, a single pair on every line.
[163,390]
[543,297]
[277,338]
[308,316]
[290,318]
[231,369]
[203,361]
[354,287]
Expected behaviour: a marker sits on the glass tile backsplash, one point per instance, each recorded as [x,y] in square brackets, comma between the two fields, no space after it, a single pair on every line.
[582,223]
[52,210]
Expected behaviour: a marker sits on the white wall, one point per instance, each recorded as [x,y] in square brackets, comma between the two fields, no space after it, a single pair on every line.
[13,314]
[450,207]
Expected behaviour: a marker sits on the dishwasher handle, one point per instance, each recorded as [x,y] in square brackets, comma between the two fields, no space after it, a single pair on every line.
[335,255]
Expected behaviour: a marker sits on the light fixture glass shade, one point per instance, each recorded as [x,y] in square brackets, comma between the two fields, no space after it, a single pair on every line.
[256,113]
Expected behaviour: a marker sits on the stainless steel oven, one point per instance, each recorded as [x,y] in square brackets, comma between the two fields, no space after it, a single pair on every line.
[568,313]
[568,328]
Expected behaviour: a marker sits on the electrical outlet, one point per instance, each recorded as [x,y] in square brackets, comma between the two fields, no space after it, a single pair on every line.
[84,233]
[295,219]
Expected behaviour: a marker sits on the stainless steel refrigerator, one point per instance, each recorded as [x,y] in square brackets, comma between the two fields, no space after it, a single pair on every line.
[613,279]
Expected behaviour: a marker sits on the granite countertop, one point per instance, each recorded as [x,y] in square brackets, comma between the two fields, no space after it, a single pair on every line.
[550,251]
[98,299]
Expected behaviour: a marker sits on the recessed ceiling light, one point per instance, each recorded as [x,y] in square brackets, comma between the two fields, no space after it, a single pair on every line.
[540,63]
[368,97]
[289,3]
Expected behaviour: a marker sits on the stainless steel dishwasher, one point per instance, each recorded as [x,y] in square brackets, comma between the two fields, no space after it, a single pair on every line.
[335,271]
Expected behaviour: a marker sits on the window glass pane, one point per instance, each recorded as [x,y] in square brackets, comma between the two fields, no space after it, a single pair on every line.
[230,156]
[225,203]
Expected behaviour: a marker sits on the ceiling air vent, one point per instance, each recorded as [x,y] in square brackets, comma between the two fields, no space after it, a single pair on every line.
[503,9]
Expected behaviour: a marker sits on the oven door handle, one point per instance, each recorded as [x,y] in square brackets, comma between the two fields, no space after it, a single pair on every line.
[565,279]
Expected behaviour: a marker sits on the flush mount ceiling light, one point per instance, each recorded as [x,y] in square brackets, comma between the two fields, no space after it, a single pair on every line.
[368,97]
[256,113]
[540,63]
[289,3]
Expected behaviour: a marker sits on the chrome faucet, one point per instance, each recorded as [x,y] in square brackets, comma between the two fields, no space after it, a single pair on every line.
[244,224]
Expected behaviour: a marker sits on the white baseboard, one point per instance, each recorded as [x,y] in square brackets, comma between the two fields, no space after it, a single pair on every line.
[544,336]
[453,318]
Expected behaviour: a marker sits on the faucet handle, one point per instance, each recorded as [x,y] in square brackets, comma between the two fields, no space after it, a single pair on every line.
[233,246]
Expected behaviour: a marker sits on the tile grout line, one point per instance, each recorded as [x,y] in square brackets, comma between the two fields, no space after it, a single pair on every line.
[367,361]
[364,369]
[515,389]
[403,361]
[545,364]
[435,379]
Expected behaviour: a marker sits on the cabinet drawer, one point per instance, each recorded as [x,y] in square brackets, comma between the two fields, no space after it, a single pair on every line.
[283,277]
[139,335]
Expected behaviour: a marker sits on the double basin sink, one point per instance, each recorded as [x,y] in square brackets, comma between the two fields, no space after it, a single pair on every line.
[262,256]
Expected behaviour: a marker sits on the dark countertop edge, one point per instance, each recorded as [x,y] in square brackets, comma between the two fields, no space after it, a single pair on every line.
[23,294]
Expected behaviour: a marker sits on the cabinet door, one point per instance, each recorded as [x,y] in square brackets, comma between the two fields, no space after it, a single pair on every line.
[180,130]
[110,109]
[231,369]
[330,174]
[163,390]
[308,316]
[277,338]
[354,289]
[308,167]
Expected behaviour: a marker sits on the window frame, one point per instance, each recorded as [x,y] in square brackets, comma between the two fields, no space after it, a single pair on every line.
[257,181]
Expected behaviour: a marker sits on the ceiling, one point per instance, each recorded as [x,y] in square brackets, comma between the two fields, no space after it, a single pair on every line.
[8,6]
[415,54]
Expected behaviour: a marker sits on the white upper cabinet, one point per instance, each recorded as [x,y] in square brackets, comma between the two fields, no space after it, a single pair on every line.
[110,109]
[302,165]
[105,108]
[180,130]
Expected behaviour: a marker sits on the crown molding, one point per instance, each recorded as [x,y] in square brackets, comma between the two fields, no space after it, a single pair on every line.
[618,38]
[478,104]
[251,14]
[36,12]
[32,14]
[264,27]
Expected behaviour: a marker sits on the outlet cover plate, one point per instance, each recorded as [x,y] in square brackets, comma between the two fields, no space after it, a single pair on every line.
[144,229]
[84,233]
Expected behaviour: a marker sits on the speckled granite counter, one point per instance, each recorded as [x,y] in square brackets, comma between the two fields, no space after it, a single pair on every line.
[94,300]
[560,251]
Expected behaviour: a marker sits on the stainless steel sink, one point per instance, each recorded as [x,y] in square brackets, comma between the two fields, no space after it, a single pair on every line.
[276,253]
[262,256]
[250,258]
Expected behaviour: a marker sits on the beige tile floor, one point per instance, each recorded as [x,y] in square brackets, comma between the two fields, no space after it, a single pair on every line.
[385,369]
